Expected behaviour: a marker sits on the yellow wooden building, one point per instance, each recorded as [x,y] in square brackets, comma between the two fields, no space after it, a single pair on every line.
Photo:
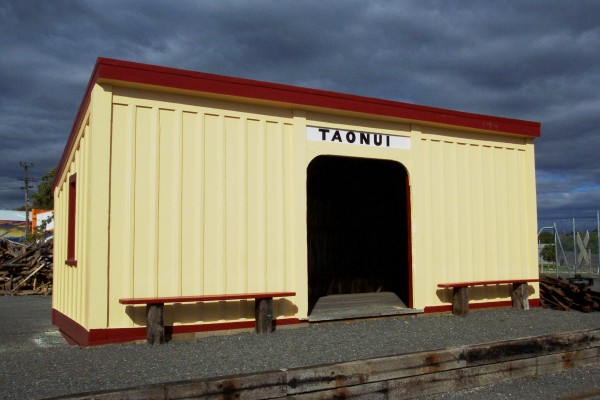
[180,183]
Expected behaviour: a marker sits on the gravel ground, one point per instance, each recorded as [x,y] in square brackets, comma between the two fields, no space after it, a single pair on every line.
[37,363]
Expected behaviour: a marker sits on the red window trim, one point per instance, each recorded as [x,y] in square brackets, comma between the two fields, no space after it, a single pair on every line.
[71,223]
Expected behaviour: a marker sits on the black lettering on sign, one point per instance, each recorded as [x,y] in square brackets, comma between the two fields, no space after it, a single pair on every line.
[365,138]
[343,136]
[323,133]
[350,137]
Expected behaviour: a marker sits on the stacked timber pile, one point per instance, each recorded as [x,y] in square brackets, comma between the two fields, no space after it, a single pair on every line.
[25,269]
[561,294]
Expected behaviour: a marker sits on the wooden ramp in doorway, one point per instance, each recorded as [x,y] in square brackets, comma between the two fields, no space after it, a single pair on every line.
[359,305]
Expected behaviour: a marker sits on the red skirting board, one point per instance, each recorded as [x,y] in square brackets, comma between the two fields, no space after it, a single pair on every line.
[76,334]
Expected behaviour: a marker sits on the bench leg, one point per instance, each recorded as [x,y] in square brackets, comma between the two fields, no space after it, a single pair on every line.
[155,325]
[460,301]
[263,311]
[520,296]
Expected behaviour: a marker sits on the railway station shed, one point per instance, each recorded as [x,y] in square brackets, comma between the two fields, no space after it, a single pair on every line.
[180,183]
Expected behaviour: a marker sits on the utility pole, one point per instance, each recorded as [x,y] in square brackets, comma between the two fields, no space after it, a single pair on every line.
[26,179]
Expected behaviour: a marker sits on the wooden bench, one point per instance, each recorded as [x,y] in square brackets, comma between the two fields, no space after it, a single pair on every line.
[460,293]
[155,328]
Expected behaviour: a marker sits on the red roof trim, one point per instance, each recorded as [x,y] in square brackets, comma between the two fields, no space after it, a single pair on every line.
[75,128]
[202,82]
[125,71]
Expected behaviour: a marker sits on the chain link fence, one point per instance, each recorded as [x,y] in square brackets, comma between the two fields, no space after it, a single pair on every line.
[569,248]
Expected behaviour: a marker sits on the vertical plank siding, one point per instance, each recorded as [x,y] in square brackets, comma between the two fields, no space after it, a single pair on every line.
[180,195]
[70,282]
[123,194]
[478,222]
[208,213]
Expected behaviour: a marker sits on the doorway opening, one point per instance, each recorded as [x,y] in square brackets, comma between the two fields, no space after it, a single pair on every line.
[358,225]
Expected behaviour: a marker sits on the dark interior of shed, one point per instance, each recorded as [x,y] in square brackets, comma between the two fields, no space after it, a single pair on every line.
[358,229]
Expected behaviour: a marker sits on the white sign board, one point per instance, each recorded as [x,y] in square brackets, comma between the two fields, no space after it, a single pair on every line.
[48,217]
[357,138]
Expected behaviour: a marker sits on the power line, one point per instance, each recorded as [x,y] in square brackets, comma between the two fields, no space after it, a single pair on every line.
[26,179]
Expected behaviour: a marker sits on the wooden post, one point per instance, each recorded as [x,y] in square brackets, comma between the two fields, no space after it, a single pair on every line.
[263,311]
[155,325]
[460,300]
[520,296]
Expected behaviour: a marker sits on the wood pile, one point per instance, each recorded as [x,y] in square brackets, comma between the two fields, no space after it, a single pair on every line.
[25,269]
[562,294]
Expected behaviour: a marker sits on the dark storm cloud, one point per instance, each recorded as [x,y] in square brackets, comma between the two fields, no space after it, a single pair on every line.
[535,60]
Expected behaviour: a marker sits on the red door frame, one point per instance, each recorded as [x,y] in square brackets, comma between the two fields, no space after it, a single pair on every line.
[408,222]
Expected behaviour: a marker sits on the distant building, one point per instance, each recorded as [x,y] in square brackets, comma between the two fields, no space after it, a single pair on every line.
[39,217]
[13,223]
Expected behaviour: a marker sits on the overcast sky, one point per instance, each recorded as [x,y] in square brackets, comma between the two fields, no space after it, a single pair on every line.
[533,60]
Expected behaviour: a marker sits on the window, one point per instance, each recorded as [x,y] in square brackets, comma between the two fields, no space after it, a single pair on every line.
[71,221]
